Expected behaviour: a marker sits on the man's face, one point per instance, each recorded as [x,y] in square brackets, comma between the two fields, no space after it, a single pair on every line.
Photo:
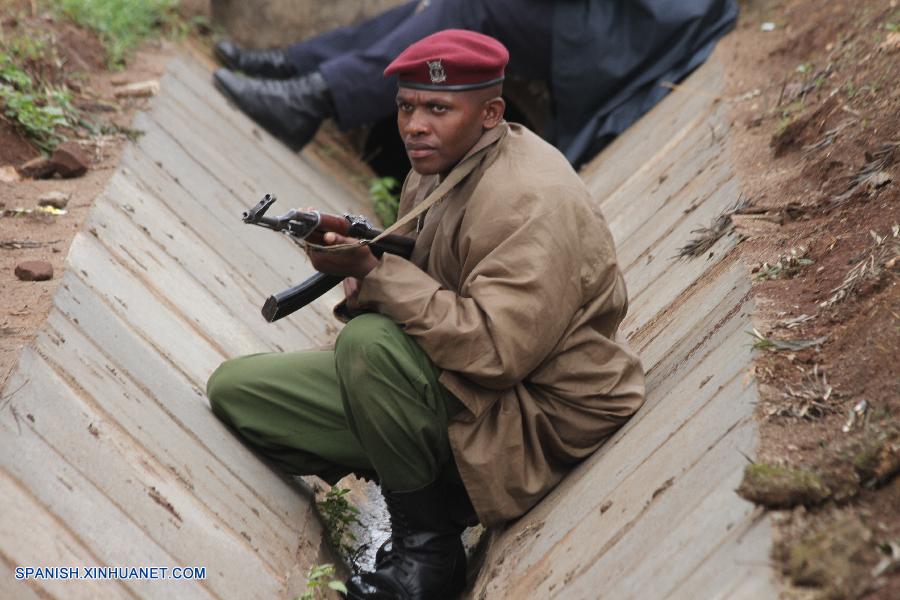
[438,127]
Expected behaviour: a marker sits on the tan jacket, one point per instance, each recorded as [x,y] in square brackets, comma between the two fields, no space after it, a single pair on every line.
[514,292]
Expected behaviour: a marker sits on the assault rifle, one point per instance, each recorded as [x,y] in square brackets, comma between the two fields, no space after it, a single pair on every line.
[311,226]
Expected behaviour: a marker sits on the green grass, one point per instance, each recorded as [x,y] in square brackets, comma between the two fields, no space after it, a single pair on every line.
[120,24]
[25,48]
[38,110]
[32,95]
[318,579]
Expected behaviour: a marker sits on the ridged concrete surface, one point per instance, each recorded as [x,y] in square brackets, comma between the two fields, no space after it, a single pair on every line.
[110,456]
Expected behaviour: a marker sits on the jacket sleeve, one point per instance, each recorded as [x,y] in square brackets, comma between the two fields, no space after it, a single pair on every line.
[521,288]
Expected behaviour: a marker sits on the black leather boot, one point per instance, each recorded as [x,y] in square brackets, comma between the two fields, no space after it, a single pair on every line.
[459,510]
[289,109]
[269,64]
[426,559]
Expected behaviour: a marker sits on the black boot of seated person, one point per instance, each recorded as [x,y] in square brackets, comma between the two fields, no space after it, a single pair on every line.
[289,109]
[426,561]
[267,64]
[459,510]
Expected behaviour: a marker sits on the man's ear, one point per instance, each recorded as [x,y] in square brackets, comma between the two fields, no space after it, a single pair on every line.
[493,112]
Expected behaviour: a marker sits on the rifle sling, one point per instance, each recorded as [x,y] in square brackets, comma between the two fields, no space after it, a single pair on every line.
[455,176]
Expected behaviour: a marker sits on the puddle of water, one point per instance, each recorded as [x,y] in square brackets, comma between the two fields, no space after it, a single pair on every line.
[375,522]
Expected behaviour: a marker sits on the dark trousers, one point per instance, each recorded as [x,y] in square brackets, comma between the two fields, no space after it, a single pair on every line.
[352,59]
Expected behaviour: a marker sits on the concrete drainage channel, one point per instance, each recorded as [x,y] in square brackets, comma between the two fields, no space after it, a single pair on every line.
[110,456]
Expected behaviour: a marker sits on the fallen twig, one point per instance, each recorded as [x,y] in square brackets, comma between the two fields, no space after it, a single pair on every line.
[23,244]
[708,236]
[763,342]
[883,255]
[871,176]
[809,399]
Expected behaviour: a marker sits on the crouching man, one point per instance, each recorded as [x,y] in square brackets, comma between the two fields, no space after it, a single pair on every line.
[482,369]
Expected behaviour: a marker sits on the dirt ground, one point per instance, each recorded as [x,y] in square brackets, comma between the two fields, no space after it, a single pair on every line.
[816,141]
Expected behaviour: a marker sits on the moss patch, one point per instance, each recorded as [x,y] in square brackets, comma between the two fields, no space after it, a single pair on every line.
[775,486]
[836,559]
[878,460]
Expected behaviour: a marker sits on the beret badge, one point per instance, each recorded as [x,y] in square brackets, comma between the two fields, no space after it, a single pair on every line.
[436,71]
[452,60]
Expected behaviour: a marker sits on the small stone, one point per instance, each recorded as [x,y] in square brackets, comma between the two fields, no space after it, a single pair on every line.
[73,85]
[69,160]
[891,43]
[34,270]
[141,89]
[8,174]
[55,199]
[96,106]
[37,168]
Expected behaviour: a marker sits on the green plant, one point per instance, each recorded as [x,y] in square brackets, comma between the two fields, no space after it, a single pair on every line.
[787,265]
[760,341]
[180,28]
[25,47]
[316,582]
[121,24]
[787,116]
[36,110]
[384,200]
[339,515]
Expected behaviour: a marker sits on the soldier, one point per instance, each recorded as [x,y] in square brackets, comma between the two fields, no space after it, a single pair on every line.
[484,367]
[602,60]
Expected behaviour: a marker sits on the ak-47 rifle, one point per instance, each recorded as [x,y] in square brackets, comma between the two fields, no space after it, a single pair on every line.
[311,226]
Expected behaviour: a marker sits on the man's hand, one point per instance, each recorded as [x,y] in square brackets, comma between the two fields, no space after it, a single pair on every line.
[349,263]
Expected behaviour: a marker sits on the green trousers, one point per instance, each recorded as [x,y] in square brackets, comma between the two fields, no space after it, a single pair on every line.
[372,404]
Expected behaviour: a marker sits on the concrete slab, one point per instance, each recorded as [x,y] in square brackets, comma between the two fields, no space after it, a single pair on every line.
[183,401]
[50,456]
[177,502]
[711,299]
[118,398]
[228,118]
[747,577]
[26,518]
[12,588]
[639,152]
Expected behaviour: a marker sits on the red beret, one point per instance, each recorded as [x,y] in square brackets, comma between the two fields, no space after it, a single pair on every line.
[452,60]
